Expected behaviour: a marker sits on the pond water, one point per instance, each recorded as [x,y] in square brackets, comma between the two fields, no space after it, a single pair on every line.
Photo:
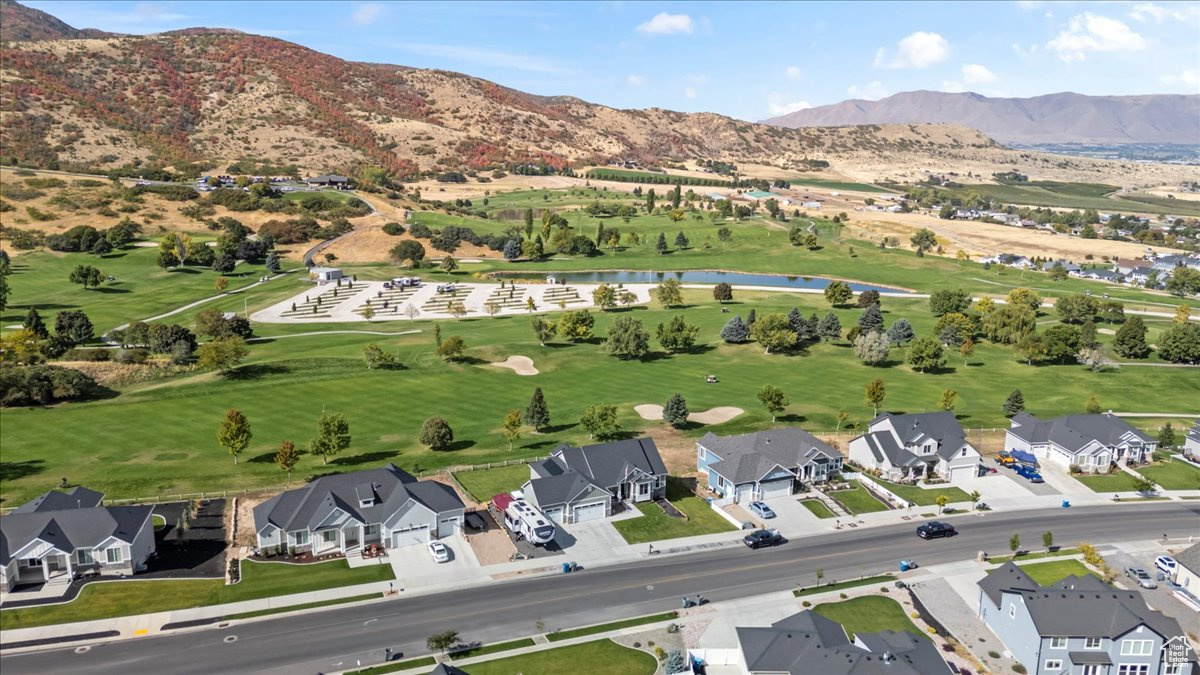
[695,277]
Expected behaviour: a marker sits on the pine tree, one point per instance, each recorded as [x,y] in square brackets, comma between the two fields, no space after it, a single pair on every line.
[735,331]
[900,332]
[798,325]
[1014,404]
[35,324]
[681,240]
[830,327]
[537,415]
[675,412]
[661,244]
[751,318]
[273,262]
[871,320]
[1166,436]
[1130,340]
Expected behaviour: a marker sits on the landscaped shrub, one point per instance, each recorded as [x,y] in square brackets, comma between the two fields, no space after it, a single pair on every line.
[76,354]
[42,385]
[394,229]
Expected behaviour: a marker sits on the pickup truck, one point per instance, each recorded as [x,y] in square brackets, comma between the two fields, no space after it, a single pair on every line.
[761,538]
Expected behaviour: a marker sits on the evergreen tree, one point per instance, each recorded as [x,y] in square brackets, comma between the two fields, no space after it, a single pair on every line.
[830,327]
[675,412]
[537,415]
[900,332]
[1166,436]
[273,262]
[35,324]
[871,320]
[661,244]
[751,318]
[798,325]
[681,240]
[735,331]
[1130,340]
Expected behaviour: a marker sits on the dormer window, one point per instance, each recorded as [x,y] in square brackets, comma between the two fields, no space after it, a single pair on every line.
[366,501]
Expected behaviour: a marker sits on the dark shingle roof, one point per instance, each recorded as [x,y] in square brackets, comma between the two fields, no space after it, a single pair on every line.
[70,528]
[608,464]
[76,498]
[942,426]
[1194,432]
[561,488]
[807,642]
[748,457]
[1073,432]
[391,487]
[1190,558]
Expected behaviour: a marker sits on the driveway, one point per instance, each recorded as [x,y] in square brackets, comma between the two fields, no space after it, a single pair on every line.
[593,541]
[1160,598]
[954,601]
[1004,484]
[1060,479]
[792,519]
[415,568]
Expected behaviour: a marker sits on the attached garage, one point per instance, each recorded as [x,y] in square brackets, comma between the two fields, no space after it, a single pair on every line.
[745,493]
[776,488]
[410,536]
[448,526]
[586,512]
[963,472]
[555,514]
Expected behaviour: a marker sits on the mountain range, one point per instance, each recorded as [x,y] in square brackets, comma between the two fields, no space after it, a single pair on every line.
[1053,118]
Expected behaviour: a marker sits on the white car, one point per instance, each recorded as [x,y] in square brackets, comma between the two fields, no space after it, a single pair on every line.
[439,552]
[1167,565]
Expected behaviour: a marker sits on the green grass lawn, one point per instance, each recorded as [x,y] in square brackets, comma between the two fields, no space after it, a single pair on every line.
[922,496]
[1079,196]
[817,507]
[605,627]
[259,580]
[1172,475]
[998,560]
[858,500]
[1117,481]
[655,524]
[423,662]
[836,185]
[1047,573]
[307,605]
[493,648]
[483,484]
[868,614]
[616,660]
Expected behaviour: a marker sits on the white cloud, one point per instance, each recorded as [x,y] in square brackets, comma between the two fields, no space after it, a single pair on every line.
[483,56]
[366,13]
[690,92]
[973,73]
[1089,32]
[1187,77]
[777,105]
[635,80]
[666,24]
[872,91]
[1148,11]
[918,50]
[793,72]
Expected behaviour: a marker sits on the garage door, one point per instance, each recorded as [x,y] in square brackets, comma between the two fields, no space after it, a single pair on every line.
[745,493]
[410,536]
[589,512]
[555,514]
[776,488]
[448,526]
[961,472]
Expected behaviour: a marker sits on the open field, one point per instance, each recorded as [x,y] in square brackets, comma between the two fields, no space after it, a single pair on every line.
[868,614]
[1117,481]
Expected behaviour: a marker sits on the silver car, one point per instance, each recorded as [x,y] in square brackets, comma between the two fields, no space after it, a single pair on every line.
[762,510]
[1141,576]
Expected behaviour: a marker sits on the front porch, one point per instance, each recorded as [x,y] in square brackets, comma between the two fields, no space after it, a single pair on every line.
[348,540]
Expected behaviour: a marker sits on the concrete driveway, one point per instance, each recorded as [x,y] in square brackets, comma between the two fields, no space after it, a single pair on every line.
[1004,484]
[1160,598]
[592,542]
[792,519]
[1060,479]
[415,568]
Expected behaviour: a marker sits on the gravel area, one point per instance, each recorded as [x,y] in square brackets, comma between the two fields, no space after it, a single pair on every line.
[949,609]
[649,639]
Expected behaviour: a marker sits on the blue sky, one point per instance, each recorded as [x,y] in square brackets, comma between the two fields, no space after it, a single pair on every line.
[746,60]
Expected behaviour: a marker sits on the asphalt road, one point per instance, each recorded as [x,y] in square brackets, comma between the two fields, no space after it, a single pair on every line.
[339,639]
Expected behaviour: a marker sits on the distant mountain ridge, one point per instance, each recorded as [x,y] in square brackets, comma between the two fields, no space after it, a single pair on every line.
[18,22]
[1052,118]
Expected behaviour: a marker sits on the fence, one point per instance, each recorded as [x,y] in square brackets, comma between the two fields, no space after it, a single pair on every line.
[725,514]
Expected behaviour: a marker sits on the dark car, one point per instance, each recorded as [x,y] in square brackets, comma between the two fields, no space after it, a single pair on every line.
[934,529]
[761,538]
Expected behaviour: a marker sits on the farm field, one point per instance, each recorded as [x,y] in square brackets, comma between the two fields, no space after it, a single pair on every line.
[1081,196]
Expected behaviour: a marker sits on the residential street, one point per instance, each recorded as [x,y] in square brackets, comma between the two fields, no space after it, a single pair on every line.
[339,639]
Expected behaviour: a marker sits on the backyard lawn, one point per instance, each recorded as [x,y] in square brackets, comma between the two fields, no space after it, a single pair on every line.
[486,483]
[1172,475]
[858,500]
[868,614]
[1047,573]
[1117,481]
[655,524]
[922,496]
[818,508]
[105,600]
[616,660]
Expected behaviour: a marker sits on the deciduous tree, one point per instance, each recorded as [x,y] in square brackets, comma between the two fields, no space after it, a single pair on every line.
[235,433]
[627,339]
[773,399]
[543,329]
[871,347]
[604,297]
[600,420]
[223,354]
[677,335]
[925,354]
[512,427]
[452,348]
[722,292]
[773,332]
[286,458]
[838,293]
[669,293]
[86,276]
[946,402]
[436,434]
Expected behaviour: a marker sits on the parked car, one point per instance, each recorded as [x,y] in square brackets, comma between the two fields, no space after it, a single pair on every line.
[439,552]
[1167,565]
[1141,576]
[761,538]
[761,510]
[935,529]
[1005,458]
[1029,473]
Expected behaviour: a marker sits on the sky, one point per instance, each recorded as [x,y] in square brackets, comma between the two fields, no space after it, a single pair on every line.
[747,60]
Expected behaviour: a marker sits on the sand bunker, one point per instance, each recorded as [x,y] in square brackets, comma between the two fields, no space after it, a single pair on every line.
[718,415]
[523,365]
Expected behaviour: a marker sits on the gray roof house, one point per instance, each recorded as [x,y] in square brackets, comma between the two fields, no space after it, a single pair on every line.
[1080,625]
[1188,574]
[61,535]
[1191,443]
[807,642]
[916,446]
[1091,442]
[765,464]
[341,513]
[578,484]
[329,180]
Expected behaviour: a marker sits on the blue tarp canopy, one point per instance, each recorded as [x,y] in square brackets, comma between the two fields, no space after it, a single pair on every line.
[1023,457]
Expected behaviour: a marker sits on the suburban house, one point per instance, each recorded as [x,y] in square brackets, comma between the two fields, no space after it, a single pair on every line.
[766,464]
[910,447]
[1090,442]
[63,535]
[1068,267]
[344,512]
[1080,625]
[1188,575]
[1191,444]
[807,642]
[340,182]
[574,485]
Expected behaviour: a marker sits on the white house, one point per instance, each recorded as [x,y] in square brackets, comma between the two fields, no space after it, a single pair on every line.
[1191,444]
[1090,442]
[326,273]
[916,446]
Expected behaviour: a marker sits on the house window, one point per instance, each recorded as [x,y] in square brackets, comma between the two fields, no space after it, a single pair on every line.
[1052,664]
[700,452]
[643,488]
[300,538]
[1171,668]
[85,556]
[720,481]
[31,562]
[364,503]
[1137,647]
[1133,669]
[1092,643]
[369,530]
[329,536]
[1058,643]
[1091,670]
[113,555]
